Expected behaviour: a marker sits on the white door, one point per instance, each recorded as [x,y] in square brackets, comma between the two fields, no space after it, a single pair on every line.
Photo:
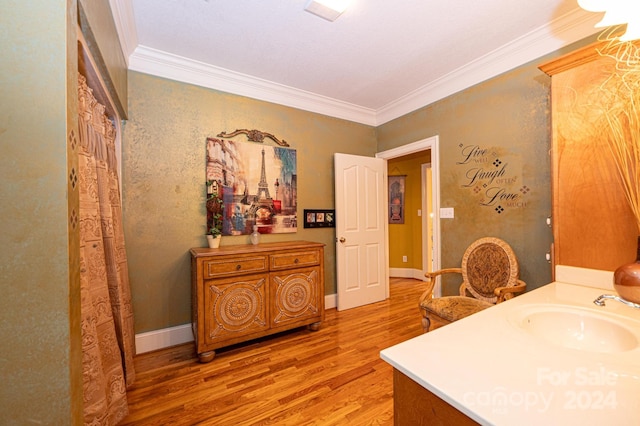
[361,205]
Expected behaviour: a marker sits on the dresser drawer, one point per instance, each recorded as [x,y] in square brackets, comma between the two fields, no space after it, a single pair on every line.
[230,266]
[294,259]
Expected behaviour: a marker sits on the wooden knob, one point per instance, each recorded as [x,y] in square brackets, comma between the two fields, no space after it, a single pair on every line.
[296,261]
[238,267]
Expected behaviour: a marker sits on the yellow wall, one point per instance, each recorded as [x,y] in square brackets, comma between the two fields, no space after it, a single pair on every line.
[406,239]
[41,363]
[164,174]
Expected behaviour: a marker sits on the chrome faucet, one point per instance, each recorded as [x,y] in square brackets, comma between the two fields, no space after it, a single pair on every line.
[600,300]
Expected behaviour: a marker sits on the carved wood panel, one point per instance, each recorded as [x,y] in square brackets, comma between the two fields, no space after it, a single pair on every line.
[295,296]
[236,307]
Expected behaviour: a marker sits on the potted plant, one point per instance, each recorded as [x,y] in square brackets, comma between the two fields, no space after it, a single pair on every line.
[215,213]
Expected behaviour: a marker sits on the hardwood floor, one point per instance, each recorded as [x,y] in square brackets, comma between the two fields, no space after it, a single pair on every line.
[330,377]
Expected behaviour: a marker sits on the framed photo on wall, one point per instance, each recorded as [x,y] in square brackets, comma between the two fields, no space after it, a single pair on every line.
[319,218]
[396,199]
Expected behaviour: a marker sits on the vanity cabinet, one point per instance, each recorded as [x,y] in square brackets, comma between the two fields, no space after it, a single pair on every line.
[414,405]
[245,292]
[593,225]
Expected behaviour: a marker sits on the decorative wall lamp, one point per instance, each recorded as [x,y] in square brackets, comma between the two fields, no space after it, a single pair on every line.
[616,12]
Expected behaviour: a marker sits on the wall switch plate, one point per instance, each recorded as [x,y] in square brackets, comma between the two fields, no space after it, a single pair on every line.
[419,212]
[404,259]
[446,213]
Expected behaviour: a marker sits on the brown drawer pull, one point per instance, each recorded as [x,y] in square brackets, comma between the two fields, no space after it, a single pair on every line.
[238,267]
[296,261]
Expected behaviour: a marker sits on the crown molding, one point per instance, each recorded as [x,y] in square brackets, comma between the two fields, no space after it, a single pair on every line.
[162,64]
[563,31]
[122,11]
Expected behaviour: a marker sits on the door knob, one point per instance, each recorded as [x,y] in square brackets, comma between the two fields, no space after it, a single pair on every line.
[343,239]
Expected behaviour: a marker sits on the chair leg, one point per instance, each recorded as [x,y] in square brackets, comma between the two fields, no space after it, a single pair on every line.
[426,324]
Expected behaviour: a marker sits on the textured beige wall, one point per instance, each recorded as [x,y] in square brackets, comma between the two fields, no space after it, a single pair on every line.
[164,174]
[509,117]
[102,39]
[164,157]
[40,362]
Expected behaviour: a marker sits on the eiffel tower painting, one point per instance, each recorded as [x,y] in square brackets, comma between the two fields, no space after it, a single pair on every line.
[259,185]
[263,187]
[262,207]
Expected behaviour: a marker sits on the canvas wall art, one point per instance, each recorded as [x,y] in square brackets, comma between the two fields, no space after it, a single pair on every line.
[258,185]
[396,199]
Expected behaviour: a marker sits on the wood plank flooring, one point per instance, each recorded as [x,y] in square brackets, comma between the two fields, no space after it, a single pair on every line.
[333,376]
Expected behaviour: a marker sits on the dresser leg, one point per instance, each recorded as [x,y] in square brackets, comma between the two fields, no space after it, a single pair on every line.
[314,326]
[205,357]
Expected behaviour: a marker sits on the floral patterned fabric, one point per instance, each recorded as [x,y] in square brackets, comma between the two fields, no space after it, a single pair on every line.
[488,267]
[453,308]
[108,344]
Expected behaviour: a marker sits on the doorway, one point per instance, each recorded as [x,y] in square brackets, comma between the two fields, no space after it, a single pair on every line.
[428,209]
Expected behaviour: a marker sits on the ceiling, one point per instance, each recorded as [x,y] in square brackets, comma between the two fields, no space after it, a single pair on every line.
[379,60]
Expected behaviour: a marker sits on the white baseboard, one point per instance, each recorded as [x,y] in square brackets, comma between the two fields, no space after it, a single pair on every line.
[330,301]
[166,337]
[163,338]
[407,273]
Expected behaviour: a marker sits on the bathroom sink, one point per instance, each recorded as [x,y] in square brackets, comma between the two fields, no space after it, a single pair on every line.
[577,328]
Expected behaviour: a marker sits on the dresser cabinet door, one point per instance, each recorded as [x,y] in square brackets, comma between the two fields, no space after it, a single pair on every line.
[296,296]
[235,307]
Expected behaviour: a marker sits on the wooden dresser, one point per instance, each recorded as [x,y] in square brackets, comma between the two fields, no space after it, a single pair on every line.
[244,292]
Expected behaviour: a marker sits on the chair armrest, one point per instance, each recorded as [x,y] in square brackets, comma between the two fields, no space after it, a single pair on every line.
[431,275]
[505,293]
[427,293]
[431,282]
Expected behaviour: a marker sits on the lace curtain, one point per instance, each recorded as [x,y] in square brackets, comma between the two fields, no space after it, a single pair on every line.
[108,344]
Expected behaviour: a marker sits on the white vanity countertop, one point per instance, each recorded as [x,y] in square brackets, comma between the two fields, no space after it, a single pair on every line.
[488,367]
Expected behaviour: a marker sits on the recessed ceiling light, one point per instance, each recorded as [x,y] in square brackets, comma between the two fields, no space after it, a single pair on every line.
[327,9]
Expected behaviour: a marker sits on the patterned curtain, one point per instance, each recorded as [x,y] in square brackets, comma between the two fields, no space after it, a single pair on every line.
[108,344]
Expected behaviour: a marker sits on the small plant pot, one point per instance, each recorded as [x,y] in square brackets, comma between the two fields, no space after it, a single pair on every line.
[214,242]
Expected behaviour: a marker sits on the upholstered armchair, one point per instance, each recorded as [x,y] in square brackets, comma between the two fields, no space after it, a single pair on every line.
[489,275]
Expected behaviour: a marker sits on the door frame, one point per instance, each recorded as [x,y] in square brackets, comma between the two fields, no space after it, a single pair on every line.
[426,175]
[432,144]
